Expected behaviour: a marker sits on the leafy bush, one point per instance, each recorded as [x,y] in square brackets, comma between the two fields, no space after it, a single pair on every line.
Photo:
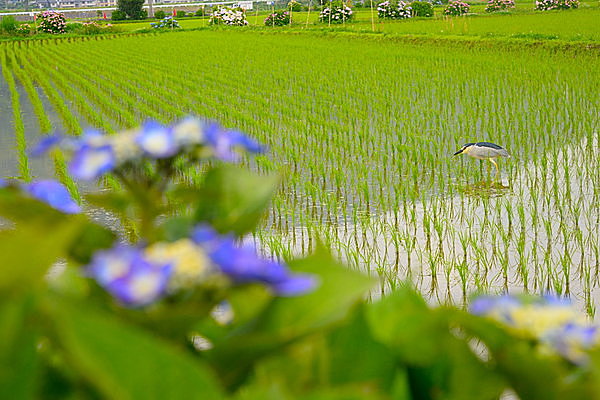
[160,14]
[182,306]
[8,24]
[133,9]
[499,5]
[181,14]
[24,29]
[456,8]
[278,18]
[118,15]
[95,28]
[199,12]
[394,9]
[167,22]
[228,16]
[422,9]
[545,5]
[294,6]
[336,12]
[51,22]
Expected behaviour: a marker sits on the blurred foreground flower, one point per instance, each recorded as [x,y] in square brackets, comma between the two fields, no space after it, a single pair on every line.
[51,192]
[138,276]
[552,321]
[242,264]
[94,154]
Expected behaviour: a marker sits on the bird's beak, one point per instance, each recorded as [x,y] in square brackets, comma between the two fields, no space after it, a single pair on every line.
[458,152]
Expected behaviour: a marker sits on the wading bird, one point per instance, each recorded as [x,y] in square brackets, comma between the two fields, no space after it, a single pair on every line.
[484,151]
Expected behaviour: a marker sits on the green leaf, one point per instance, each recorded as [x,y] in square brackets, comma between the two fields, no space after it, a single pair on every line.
[531,374]
[285,320]
[123,362]
[18,356]
[28,252]
[403,321]
[233,199]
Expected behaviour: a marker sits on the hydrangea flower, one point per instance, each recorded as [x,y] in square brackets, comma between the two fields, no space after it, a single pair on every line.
[54,194]
[190,262]
[242,264]
[94,154]
[129,276]
[550,320]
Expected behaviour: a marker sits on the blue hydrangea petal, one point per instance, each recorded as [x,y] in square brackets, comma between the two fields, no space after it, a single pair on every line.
[90,163]
[45,145]
[156,140]
[295,285]
[110,265]
[54,194]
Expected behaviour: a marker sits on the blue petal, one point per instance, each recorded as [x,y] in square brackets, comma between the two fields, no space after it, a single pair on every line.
[45,145]
[90,163]
[295,285]
[54,194]
[157,140]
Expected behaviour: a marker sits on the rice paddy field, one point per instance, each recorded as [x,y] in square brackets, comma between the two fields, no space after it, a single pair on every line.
[362,129]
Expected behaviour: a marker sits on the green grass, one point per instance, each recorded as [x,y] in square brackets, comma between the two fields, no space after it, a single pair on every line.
[523,22]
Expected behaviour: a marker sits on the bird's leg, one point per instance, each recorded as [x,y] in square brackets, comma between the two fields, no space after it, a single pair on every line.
[496,165]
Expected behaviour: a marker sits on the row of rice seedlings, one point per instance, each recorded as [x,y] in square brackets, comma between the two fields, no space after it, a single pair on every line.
[21,144]
[44,123]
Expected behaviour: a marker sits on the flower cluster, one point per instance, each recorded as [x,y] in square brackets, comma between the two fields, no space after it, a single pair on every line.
[51,22]
[456,8]
[499,5]
[393,9]
[166,22]
[550,320]
[138,276]
[336,13]
[24,29]
[278,18]
[93,27]
[545,5]
[94,154]
[228,16]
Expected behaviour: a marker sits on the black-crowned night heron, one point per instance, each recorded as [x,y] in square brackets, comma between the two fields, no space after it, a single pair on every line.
[484,151]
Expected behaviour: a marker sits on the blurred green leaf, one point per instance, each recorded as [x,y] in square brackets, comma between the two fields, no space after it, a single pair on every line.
[18,356]
[233,199]
[19,209]
[531,374]
[28,252]
[176,228]
[403,321]
[123,362]
[88,240]
[115,202]
[285,320]
[354,341]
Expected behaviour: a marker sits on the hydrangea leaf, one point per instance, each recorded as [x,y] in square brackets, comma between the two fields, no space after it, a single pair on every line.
[124,362]
[233,199]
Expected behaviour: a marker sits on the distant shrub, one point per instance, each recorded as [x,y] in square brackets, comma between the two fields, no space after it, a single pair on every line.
[118,15]
[358,4]
[499,5]
[456,8]
[294,6]
[394,9]
[336,13]
[167,22]
[181,14]
[24,29]
[228,16]
[8,24]
[95,28]
[278,18]
[545,5]
[160,14]
[51,22]
[422,9]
